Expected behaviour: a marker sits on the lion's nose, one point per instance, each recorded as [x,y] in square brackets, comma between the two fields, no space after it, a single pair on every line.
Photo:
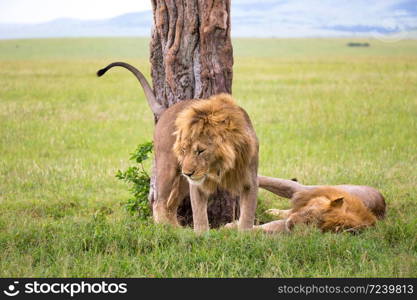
[189,174]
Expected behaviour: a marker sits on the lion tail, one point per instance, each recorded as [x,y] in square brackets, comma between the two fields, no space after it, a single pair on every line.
[155,106]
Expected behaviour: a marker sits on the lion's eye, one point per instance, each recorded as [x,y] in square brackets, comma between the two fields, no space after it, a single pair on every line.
[199,151]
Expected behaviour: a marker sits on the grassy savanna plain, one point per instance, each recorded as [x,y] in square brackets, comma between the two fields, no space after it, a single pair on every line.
[324,113]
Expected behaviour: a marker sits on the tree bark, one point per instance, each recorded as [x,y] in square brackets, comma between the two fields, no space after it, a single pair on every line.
[192,58]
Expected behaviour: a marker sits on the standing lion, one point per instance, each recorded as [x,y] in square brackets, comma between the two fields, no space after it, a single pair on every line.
[201,145]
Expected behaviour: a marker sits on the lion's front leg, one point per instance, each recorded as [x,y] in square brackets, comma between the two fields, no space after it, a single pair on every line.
[279,213]
[274,226]
[169,192]
[248,200]
[199,207]
[284,225]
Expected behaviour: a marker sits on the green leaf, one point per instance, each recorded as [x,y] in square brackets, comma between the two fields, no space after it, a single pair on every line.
[138,181]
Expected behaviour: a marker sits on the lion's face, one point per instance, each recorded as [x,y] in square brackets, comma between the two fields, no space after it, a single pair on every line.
[317,207]
[204,159]
[211,141]
[196,161]
[313,211]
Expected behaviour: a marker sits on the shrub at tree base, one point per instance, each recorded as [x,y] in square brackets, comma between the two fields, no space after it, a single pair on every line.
[138,180]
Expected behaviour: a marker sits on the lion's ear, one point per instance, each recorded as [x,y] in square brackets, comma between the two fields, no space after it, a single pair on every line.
[227,121]
[199,113]
[337,202]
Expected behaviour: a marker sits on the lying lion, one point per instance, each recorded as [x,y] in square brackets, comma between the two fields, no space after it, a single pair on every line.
[200,146]
[330,208]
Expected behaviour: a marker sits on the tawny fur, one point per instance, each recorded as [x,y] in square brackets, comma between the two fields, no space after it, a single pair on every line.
[328,208]
[331,209]
[370,196]
[218,127]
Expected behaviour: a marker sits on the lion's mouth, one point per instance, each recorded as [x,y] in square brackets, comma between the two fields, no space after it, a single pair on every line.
[196,180]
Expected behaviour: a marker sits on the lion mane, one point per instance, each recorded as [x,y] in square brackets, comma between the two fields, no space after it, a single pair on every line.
[219,120]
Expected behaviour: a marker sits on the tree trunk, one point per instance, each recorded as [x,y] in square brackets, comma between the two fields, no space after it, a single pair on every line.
[192,58]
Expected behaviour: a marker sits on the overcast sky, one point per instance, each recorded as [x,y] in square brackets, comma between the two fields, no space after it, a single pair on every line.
[249,17]
[356,11]
[36,11]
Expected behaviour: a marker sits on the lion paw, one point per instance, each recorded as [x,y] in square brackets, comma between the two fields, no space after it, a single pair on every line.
[232,225]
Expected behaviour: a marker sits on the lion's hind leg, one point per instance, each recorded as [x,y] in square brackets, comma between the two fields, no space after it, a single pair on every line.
[248,202]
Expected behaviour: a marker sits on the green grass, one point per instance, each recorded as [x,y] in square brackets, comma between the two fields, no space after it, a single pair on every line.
[324,113]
